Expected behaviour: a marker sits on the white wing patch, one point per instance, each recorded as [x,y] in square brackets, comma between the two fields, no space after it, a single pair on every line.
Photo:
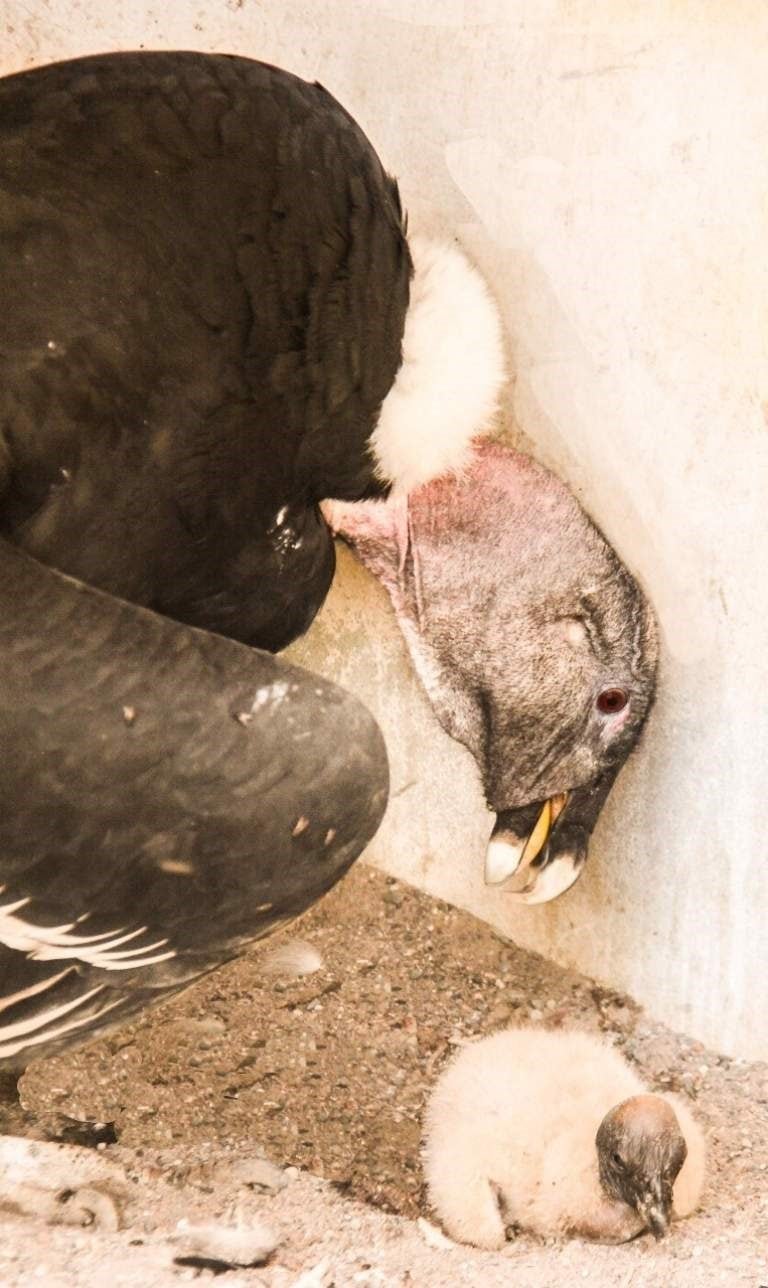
[15,1038]
[59,943]
[106,951]
[50,981]
[25,1027]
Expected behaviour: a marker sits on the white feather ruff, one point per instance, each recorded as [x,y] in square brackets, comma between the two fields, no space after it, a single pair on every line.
[447,389]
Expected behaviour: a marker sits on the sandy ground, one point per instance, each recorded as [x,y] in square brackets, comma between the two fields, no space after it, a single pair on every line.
[327,1076]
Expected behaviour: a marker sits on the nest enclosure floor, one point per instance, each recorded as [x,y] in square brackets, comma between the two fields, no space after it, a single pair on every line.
[328,1074]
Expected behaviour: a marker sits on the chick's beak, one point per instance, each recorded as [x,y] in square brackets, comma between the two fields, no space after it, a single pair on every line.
[656,1212]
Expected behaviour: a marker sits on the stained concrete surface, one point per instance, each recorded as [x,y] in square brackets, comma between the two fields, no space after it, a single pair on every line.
[606,166]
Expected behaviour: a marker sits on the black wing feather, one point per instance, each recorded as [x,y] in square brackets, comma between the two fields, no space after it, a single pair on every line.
[209,280]
[159,779]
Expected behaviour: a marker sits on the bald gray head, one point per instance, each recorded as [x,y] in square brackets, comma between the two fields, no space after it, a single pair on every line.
[640,1150]
[535,645]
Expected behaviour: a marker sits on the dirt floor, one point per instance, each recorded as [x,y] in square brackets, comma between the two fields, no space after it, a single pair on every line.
[327,1075]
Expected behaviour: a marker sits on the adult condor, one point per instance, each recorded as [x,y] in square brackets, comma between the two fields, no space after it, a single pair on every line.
[217,346]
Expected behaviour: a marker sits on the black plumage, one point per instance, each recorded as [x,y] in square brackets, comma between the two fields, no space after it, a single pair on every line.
[167,795]
[213,324]
[209,279]
[205,280]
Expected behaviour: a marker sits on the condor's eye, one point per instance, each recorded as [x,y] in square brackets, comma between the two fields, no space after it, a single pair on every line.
[611,701]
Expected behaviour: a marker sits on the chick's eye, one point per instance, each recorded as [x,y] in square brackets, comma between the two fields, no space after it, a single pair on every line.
[618,1160]
[611,701]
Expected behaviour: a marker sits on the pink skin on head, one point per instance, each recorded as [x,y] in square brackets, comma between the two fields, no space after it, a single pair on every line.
[452,510]
[517,616]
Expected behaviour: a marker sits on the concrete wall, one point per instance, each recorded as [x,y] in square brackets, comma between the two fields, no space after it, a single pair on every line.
[607,166]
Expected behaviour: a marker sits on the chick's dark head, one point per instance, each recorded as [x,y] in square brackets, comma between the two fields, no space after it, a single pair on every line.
[640,1149]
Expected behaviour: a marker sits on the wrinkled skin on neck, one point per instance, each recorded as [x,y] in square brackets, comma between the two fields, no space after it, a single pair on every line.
[517,615]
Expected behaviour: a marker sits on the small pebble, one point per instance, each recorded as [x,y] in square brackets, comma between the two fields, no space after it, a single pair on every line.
[243,1245]
[257,1173]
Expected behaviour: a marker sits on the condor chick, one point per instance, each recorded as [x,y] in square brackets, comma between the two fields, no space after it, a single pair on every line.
[554,1133]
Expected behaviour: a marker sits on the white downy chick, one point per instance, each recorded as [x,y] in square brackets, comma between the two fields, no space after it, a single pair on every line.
[553,1132]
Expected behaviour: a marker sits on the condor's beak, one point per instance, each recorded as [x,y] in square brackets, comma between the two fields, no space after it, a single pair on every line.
[525,861]
[537,851]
